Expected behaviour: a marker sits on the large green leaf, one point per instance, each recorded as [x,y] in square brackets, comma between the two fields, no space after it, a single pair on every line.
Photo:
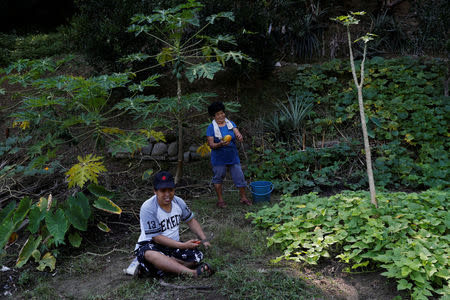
[75,239]
[6,229]
[100,191]
[75,215]
[57,225]
[27,250]
[78,211]
[106,204]
[35,217]
[7,210]
[22,210]
[206,70]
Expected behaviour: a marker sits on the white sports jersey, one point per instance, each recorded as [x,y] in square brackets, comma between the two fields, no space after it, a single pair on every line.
[156,221]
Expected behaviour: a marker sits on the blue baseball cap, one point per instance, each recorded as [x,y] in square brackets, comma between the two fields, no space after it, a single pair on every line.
[163,180]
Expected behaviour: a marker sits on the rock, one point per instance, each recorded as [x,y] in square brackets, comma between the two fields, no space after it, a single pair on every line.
[147,150]
[186,156]
[195,155]
[173,158]
[159,149]
[277,64]
[193,148]
[173,149]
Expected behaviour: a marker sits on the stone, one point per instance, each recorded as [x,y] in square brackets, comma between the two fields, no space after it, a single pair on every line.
[193,148]
[186,156]
[173,158]
[195,155]
[159,149]
[173,149]
[147,150]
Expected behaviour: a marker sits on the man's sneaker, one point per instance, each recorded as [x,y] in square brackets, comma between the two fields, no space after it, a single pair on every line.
[133,268]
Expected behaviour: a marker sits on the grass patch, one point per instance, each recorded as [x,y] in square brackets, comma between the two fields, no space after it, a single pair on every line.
[42,291]
[261,284]
[135,289]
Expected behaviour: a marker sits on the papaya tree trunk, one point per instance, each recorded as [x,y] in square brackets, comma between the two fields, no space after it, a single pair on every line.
[359,86]
[179,173]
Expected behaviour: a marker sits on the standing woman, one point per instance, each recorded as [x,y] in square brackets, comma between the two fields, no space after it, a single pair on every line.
[224,153]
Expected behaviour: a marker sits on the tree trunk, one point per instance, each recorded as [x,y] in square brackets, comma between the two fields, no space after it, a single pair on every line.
[179,173]
[359,86]
[373,199]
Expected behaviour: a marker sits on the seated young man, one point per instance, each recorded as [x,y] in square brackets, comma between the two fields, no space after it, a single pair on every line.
[159,249]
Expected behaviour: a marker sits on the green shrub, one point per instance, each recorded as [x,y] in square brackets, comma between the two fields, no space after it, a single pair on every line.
[407,235]
[406,111]
[33,46]
[312,169]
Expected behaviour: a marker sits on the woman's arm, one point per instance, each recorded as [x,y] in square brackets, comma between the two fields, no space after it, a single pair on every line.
[238,134]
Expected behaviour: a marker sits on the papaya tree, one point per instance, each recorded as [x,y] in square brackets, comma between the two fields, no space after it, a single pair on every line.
[189,53]
[347,21]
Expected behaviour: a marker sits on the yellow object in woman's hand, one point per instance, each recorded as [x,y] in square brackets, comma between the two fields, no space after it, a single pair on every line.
[227,138]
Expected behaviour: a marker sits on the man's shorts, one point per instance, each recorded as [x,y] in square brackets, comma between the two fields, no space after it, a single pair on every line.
[235,171]
[187,255]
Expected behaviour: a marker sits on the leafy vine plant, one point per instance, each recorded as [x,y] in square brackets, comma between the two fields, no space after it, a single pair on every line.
[347,21]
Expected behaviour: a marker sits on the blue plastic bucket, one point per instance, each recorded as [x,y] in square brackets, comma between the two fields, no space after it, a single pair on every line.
[261,190]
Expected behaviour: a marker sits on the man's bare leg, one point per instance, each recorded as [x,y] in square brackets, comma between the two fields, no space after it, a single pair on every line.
[168,264]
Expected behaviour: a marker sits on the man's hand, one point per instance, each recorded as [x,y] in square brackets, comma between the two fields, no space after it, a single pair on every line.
[191,244]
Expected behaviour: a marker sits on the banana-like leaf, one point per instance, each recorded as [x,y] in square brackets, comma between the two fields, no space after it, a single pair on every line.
[22,210]
[27,250]
[103,227]
[6,229]
[57,225]
[35,217]
[75,239]
[100,191]
[48,260]
[106,204]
